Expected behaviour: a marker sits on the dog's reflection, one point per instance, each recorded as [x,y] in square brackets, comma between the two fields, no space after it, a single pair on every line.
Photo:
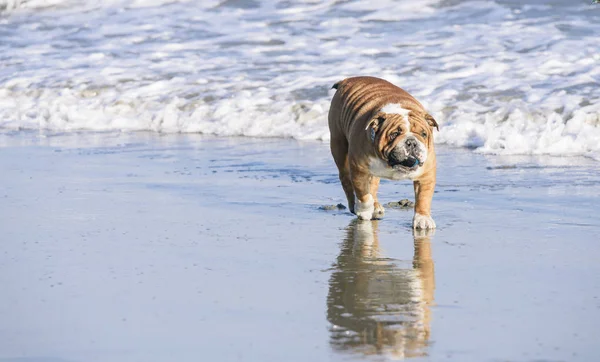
[377,305]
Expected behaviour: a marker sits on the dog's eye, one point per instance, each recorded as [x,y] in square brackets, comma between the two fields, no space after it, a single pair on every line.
[424,135]
[394,135]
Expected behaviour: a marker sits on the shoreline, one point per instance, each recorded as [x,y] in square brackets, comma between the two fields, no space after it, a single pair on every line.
[46,137]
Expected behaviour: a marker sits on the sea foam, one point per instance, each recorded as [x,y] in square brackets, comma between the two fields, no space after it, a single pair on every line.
[499,77]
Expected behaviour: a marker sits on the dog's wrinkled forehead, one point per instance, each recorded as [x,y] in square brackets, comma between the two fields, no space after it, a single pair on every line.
[388,117]
[395,116]
[394,108]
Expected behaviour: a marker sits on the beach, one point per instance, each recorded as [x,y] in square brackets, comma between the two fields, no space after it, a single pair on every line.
[168,193]
[149,247]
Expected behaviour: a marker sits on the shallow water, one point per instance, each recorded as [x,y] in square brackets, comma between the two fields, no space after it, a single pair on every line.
[148,247]
[501,76]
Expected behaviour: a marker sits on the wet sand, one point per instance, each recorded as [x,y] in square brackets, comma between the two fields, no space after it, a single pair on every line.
[142,247]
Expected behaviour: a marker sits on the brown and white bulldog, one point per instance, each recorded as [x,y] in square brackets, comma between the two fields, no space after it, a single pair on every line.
[379,130]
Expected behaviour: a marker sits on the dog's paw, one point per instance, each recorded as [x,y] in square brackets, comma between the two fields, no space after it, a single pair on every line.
[423,222]
[378,211]
[364,210]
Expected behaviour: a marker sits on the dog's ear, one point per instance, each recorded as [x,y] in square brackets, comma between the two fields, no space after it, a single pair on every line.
[431,121]
[376,122]
[374,125]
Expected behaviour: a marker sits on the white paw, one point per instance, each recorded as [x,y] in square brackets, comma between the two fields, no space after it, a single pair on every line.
[378,211]
[364,210]
[423,222]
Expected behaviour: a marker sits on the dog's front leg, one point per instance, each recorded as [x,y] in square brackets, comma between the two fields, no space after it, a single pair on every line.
[423,195]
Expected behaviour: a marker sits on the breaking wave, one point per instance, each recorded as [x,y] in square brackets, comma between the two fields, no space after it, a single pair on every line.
[499,76]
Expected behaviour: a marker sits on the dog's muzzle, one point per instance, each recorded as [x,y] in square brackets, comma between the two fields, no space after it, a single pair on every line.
[408,154]
[408,162]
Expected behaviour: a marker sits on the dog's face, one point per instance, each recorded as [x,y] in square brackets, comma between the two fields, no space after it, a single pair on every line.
[402,138]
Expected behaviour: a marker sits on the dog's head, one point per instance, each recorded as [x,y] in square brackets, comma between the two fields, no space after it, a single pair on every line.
[402,138]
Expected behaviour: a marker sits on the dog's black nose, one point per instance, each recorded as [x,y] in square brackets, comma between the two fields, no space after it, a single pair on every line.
[411,143]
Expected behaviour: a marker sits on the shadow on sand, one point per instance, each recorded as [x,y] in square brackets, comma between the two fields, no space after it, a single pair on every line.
[376,305]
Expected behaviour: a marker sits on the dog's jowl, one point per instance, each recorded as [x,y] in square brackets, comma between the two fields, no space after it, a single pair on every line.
[379,130]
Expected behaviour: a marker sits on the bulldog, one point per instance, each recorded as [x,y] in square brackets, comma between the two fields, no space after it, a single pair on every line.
[379,130]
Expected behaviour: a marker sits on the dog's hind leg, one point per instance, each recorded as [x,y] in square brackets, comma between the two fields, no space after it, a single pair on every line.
[339,151]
